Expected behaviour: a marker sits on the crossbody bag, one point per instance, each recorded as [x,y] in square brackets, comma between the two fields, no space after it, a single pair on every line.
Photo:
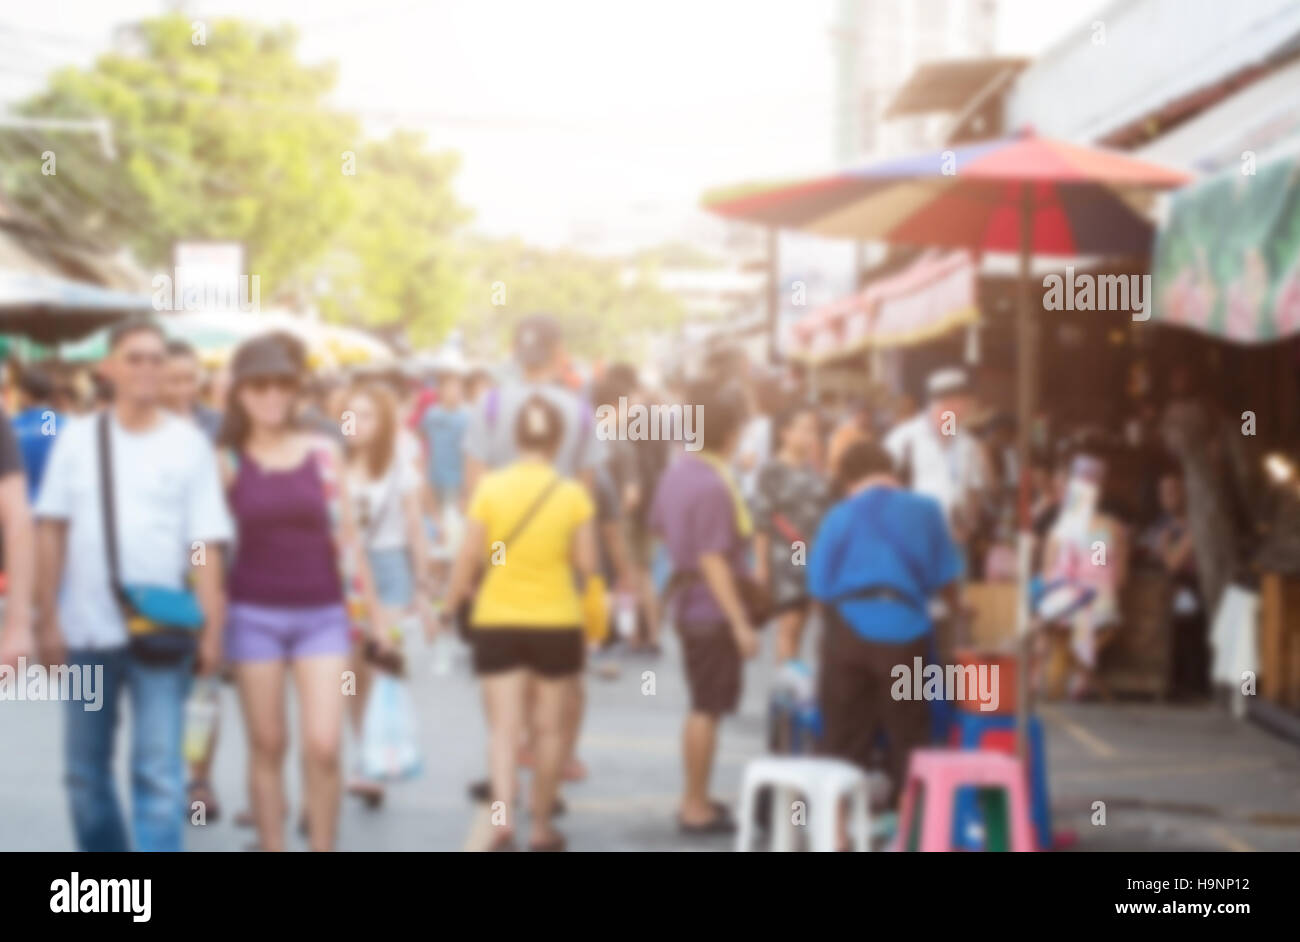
[162,623]
[466,608]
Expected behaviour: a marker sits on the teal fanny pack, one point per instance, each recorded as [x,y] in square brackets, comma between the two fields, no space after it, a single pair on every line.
[173,608]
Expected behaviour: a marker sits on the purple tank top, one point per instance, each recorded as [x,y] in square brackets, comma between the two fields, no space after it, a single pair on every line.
[284,555]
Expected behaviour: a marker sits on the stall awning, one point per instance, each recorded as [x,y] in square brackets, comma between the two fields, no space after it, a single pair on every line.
[49,309]
[932,296]
[1227,262]
[950,84]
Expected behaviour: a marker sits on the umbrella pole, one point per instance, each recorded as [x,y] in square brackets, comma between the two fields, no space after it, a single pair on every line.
[1026,367]
[773,300]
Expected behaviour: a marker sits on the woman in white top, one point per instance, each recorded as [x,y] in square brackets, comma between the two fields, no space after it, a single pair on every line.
[385,483]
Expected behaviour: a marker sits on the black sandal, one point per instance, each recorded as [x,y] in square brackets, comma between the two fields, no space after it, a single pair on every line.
[211,807]
[553,846]
[722,823]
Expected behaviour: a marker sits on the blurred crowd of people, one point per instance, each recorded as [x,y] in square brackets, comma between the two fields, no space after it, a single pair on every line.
[315,525]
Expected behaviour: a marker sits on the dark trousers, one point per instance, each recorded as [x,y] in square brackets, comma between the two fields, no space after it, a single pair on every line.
[856,704]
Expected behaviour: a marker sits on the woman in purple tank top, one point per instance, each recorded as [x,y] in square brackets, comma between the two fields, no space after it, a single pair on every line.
[295,559]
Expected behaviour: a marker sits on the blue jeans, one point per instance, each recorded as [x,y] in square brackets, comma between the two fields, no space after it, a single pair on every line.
[158,798]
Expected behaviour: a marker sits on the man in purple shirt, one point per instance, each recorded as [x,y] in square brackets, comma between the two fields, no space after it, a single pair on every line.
[699,514]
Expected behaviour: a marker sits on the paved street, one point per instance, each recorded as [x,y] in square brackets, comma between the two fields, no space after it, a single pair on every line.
[1172,778]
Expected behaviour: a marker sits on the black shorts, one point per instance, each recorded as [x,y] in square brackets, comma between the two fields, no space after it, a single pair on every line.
[551,652]
[855,693]
[713,667]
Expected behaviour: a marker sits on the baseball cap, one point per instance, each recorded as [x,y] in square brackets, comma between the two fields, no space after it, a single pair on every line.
[267,355]
[946,382]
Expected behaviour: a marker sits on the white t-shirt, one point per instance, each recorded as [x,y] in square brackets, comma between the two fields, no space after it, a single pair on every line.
[945,467]
[379,507]
[168,497]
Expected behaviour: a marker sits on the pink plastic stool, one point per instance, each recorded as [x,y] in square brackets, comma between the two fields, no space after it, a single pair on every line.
[938,773]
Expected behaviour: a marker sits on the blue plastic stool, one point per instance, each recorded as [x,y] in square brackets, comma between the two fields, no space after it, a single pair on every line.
[969,730]
[799,724]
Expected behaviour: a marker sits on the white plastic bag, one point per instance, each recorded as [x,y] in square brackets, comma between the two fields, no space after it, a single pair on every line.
[389,745]
[1234,635]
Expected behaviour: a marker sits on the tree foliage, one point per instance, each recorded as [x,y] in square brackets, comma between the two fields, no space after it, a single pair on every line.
[606,306]
[233,138]
[396,264]
[230,139]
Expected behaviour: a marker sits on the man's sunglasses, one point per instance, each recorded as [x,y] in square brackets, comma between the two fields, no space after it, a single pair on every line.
[260,384]
[138,358]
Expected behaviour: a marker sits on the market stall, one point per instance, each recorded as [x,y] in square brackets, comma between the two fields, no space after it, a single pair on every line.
[1227,271]
[1021,194]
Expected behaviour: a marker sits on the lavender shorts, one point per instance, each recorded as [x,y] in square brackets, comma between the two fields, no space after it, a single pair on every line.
[266,633]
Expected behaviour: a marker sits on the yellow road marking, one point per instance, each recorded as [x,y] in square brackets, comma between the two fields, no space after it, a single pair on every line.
[1228,840]
[1163,771]
[1093,743]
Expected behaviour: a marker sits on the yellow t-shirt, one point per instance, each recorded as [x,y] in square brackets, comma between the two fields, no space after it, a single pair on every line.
[528,584]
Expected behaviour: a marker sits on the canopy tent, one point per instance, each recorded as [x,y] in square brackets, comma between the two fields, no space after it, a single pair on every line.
[1022,194]
[50,309]
[216,334]
[53,289]
[933,295]
[1228,261]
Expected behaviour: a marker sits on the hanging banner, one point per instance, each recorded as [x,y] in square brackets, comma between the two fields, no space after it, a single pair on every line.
[1228,260]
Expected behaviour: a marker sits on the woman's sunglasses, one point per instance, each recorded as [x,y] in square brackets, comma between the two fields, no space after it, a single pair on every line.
[260,384]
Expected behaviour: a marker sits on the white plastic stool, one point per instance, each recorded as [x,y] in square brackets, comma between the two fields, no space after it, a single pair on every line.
[823,783]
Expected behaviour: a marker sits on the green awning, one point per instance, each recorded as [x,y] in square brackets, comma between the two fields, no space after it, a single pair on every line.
[1228,260]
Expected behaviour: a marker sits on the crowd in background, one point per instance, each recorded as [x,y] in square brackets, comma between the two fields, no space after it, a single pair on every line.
[315,524]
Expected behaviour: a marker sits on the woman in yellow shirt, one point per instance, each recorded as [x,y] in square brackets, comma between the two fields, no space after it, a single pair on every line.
[529,532]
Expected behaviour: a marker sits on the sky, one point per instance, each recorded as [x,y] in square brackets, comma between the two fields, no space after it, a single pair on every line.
[593,119]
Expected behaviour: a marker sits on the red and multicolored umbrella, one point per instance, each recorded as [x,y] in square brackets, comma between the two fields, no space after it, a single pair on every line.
[1082,201]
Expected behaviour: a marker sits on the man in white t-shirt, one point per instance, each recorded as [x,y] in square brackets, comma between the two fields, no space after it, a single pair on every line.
[171,518]
[935,454]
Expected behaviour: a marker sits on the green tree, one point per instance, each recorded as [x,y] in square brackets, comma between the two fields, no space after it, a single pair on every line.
[607,306]
[396,265]
[228,139]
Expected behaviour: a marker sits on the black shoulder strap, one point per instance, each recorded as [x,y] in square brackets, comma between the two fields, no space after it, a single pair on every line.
[531,512]
[107,499]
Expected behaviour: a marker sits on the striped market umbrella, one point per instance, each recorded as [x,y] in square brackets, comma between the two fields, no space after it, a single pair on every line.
[1077,200]
[1021,194]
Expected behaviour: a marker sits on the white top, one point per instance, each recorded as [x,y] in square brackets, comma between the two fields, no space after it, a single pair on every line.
[378,505]
[168,499]
[755,443]
[945,467]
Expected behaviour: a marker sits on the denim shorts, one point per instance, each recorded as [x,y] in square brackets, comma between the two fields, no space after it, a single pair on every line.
[391,570]
[266,633]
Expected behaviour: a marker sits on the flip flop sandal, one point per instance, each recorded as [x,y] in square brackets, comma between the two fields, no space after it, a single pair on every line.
[721,824]
[211,807]
[371,795]
[553,846]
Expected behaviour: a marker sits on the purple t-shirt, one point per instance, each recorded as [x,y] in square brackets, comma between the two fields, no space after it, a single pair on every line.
[693,513]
